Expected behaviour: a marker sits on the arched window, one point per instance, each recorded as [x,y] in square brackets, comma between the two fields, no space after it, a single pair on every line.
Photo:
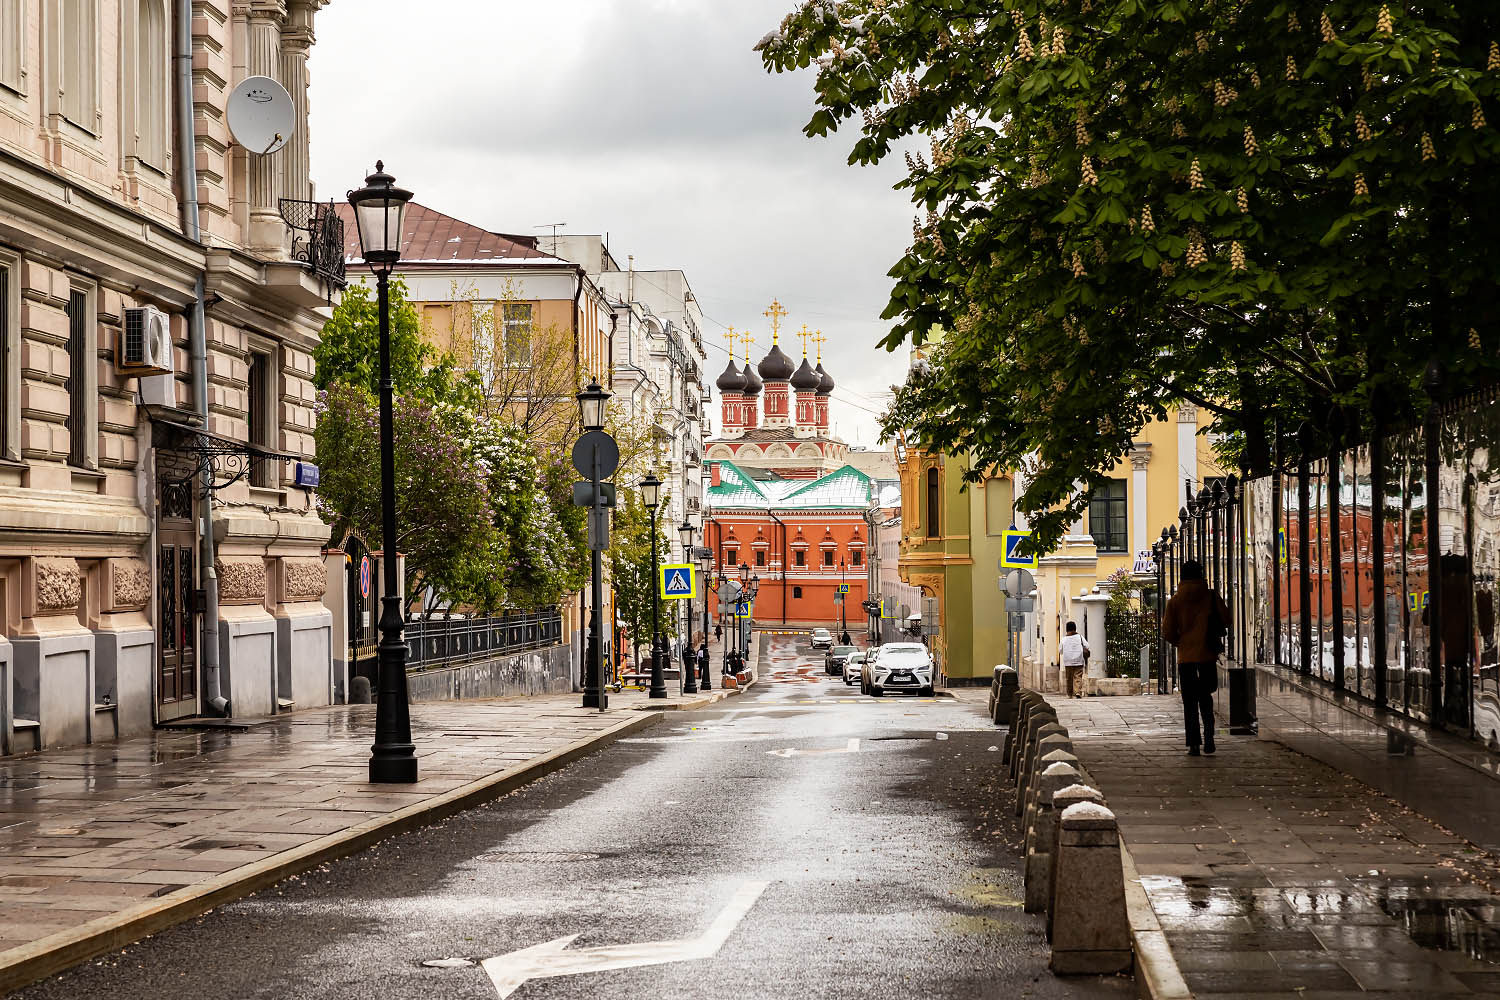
[79,38]
[151,84]
[933,500]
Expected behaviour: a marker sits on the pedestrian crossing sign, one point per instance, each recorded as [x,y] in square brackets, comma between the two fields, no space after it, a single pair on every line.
[843,588]
[678,583]
[1013,559]
[743,609]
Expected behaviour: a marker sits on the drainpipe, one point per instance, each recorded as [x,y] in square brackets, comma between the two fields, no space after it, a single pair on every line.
[187,172]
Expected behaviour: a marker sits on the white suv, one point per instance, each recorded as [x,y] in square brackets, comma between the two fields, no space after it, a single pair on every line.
[899,666]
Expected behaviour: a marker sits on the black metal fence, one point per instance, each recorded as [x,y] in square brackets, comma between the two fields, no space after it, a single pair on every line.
[441,642]
[1372,569]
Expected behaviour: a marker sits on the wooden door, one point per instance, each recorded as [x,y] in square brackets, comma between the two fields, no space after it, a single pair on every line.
[176,615]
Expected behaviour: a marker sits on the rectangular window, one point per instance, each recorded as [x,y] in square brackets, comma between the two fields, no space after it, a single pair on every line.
[731,557]
[999,509]
[1107,517]
[13,45]
[857,557]
[796,593]
[517,317]
[79,37]
[760,558]
[82,384]
[827,557]
[7,394]
[260,414]
[800,557]
[151,85]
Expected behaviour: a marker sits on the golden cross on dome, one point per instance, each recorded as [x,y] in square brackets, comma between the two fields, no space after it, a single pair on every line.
[805,334]
[820,340]
[775,313]
[734,340]
[748,339]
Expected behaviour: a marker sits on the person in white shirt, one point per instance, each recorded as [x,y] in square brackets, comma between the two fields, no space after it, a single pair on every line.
[1075,656]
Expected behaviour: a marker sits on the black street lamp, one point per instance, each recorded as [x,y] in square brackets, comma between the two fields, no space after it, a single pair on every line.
[843,599]
[689,657]
[706,563]
[651,496]
[592,403]
[379,210]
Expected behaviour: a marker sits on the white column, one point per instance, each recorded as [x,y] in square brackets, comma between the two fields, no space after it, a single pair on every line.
[268,234]
[1187,450]
[1140,513]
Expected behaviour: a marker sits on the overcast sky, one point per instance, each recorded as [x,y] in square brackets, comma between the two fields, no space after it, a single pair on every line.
[649,120]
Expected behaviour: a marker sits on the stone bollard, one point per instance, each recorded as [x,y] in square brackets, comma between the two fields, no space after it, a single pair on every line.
[1034,796]
[1024,705]
[1090,932]
[1039,716]
[1033,753]
[994,691]
[1054,777]
[1008,689]
[1061,800]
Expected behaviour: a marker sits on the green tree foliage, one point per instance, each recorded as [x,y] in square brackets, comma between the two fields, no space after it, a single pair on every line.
[1279,210]
[629,558]
[348,350]
[444,521]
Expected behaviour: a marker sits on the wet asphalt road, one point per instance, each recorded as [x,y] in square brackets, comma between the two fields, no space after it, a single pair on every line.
[890,872]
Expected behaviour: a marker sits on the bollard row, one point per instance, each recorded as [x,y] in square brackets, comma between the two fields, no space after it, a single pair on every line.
[1072,840]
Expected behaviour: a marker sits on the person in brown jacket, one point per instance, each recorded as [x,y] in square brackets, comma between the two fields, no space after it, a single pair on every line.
[1189,625]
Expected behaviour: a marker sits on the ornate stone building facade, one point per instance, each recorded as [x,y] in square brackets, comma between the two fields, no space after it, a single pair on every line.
[110,474]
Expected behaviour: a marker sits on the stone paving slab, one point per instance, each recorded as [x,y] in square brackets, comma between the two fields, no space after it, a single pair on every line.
[102,844]
[1272,874]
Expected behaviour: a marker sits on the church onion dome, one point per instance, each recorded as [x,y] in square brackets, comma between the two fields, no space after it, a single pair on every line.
[753,384]
[732,380]
[806,380]
[825,387]
[776,366]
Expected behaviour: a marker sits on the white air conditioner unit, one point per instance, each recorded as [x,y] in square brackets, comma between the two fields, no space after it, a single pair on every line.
[145,342]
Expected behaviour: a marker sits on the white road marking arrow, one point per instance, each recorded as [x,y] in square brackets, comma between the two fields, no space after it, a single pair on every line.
[852,747]
[552,958]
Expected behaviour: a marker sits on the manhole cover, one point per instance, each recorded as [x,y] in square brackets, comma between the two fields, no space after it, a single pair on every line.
[534,857]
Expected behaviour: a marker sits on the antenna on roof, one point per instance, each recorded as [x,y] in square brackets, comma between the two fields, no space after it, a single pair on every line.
[554,226]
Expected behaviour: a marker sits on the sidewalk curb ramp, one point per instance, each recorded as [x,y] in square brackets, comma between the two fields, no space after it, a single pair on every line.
[43,957]
[1157,976]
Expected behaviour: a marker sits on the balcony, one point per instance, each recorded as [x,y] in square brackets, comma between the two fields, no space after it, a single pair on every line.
[317,240]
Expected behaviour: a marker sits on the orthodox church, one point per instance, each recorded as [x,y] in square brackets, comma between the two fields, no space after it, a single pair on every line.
[782,498]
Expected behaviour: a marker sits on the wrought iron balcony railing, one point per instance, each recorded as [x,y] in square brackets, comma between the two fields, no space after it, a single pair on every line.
[317,238]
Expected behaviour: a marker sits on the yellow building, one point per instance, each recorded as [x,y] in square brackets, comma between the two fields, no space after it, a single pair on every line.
[951,546]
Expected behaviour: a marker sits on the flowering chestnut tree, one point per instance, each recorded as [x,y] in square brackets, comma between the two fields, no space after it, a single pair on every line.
[1279,210]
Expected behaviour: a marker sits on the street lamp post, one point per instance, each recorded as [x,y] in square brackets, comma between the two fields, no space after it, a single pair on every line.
[651,496]
[596,445]
[379,211]
[843,599]
[705,563]
[689,657]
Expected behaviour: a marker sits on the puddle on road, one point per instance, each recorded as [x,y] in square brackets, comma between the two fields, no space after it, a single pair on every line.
[535,857]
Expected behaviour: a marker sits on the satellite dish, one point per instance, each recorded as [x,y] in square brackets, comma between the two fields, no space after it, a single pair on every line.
[261,115]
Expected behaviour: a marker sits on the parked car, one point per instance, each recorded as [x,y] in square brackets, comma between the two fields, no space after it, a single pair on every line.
[833,660]
[822,639]
[899,666]
[854,667]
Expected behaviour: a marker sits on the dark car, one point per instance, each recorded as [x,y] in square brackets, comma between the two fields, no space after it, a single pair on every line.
[833,660]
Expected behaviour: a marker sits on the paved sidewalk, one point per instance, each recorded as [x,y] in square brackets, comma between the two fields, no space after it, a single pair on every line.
[1274,875]
[105,843]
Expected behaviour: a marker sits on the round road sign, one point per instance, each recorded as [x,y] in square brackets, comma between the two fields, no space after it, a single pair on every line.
[590,444]
[1019,583]
[364,577]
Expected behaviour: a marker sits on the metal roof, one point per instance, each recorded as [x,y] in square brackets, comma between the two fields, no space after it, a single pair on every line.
[845,488]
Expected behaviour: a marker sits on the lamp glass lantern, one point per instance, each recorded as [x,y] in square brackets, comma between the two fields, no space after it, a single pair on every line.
[685,532]
[592,403]
[379,213]
[650,490]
